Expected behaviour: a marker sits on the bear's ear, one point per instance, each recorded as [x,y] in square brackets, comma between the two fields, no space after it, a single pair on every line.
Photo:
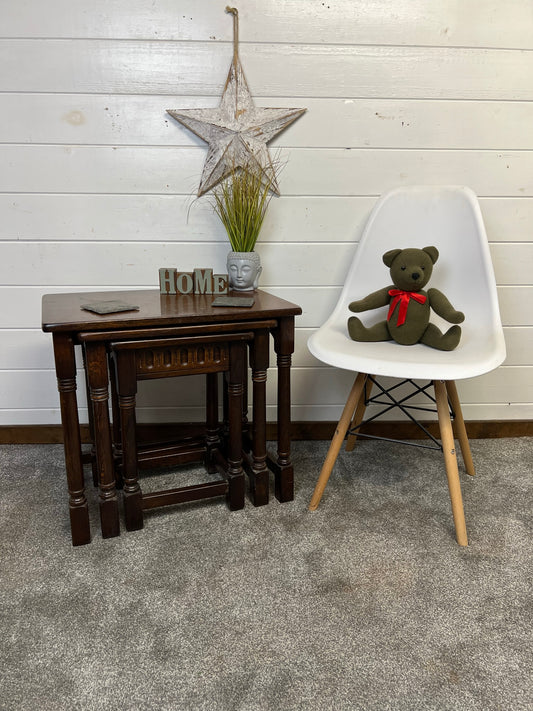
[433,253]
[389,257]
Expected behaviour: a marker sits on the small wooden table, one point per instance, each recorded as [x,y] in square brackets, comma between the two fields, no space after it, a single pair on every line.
[162,316]
[141,359]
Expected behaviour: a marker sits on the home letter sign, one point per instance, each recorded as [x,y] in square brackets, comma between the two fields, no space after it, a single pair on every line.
[200,281]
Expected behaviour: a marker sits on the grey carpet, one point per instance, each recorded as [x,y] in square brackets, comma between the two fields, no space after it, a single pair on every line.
[367,603]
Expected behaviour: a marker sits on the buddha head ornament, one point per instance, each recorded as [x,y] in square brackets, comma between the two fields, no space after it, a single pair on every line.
[243,270]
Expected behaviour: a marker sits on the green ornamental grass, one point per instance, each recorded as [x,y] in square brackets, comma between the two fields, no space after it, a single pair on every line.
[241,201]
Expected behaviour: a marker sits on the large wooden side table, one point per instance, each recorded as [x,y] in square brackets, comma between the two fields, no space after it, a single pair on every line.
[162,316]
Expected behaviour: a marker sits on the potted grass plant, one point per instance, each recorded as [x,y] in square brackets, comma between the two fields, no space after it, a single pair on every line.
[241,201]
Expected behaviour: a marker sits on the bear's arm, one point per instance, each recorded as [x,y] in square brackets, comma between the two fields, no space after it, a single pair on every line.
[372,301]
[442,307]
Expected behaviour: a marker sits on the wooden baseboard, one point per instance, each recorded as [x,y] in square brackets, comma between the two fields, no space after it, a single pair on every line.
[480,429]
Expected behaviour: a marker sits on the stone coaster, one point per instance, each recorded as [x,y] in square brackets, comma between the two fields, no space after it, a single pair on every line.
[109,307]
[245,301]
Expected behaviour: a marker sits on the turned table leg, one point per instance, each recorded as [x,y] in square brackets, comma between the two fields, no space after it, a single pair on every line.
[92,454]
[283,469]
[99,392]
[259,478]
[212,434]
[65,363]
[126,393]
[235,393]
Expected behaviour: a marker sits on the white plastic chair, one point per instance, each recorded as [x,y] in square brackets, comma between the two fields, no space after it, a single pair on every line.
[450,219]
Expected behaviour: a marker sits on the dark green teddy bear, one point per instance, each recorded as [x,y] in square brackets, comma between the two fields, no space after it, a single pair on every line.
[409,306]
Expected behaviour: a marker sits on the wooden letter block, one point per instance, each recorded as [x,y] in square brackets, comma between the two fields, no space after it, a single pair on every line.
[200,281]
[203,281]
[184,282]
[167,280]
[220,283]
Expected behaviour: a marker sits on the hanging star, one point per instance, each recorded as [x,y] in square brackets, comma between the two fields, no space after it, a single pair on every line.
[237,131]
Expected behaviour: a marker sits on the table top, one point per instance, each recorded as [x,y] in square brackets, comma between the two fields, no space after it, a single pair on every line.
[63,312]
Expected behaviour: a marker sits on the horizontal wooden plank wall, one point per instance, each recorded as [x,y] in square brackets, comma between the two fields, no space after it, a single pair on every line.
[482,23]
[97,182]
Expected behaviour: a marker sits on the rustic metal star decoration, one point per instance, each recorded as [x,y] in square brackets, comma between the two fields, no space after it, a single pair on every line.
[237,131]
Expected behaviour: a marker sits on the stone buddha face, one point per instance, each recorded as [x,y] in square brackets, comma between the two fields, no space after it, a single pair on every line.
[243,270]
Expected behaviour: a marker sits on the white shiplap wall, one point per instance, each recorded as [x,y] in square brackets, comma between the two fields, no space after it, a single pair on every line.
[96,180]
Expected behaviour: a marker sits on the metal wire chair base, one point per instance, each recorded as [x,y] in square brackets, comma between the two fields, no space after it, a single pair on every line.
[401,404]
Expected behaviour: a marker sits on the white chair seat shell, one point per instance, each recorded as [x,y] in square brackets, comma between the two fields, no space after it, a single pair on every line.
[450,219]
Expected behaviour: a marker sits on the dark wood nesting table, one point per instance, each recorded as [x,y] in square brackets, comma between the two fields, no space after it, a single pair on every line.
[162,317]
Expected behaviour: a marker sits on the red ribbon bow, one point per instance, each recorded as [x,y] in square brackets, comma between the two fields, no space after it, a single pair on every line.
[403,298]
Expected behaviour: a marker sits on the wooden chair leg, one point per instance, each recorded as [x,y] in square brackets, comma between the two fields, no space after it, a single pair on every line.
[450,460]
[459,425]
[338,438]
[358,417]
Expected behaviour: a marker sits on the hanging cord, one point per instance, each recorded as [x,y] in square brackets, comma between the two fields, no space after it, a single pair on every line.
[235,14]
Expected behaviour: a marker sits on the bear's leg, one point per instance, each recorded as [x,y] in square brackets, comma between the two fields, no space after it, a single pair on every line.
[442,341]
[359,332]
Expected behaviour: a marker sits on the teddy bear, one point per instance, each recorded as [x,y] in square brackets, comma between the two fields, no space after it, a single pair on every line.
[409,305]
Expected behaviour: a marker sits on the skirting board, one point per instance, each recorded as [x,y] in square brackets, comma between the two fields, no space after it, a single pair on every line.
[481,429]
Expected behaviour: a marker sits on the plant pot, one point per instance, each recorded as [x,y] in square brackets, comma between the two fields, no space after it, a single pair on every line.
[243,269]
